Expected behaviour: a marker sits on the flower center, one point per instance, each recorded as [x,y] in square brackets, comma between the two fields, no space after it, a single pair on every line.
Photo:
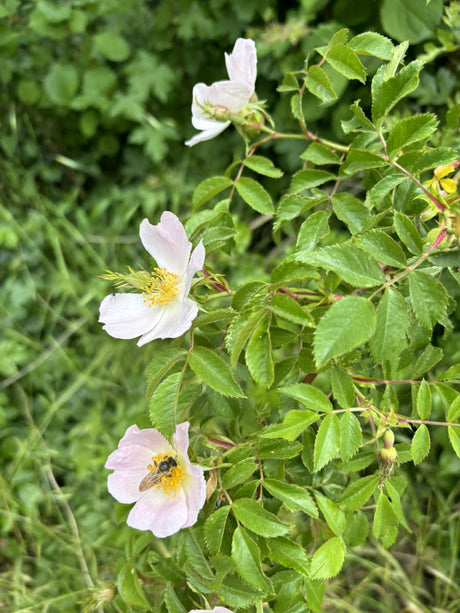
[164,473]
[160,287]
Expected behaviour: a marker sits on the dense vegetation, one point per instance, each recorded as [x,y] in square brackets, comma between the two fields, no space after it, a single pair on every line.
[327,313]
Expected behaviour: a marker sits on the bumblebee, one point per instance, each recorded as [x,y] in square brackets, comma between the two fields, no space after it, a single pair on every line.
[160,470]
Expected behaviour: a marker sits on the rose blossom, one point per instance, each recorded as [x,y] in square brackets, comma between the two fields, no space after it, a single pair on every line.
[168,490]
[225,97]
[163,309]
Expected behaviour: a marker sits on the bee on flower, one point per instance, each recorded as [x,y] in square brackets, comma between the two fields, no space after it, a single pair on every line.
[168,491]
[161,307]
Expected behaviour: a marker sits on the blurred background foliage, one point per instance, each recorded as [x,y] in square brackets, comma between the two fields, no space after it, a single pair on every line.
[94,110]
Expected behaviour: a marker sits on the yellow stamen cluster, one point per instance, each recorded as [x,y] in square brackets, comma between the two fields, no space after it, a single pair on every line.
[170,480]
[160,288]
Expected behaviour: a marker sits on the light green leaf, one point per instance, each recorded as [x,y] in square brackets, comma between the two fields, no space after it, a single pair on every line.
[318,83]
[129,587]
[382,248]
[290,554]
[296,107]
[359,160]
[263,166]
[411,130]
[359,122]
[408,233]
[171,600]
[255,518]
[351,436]
[61,83]
[386,522]
[393,321]
[342,388]
[255,195]
[390,92]
[236,593]
[348,323]
[427,360]
[350,210]
[214,372]
[375,196]
[163,405]
[420,445]
[319,154]
[428,296]
[328,559]
[287,308]
[306,179]
[239,332]
[454,437]
[313,229]
[213,529]
[294,423]
[259,356]
[161,363]
[238,473]
[333,514]
[410,19]
[112,46]
[296,498]
[246,555]
[371,43]
[311,397]
[327,441]
[209,188]
[358,493]
[345,61]
[423,401]
[352,264]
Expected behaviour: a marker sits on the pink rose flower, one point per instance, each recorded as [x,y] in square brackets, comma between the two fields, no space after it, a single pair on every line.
[168,490]
[163,309]
[225,97]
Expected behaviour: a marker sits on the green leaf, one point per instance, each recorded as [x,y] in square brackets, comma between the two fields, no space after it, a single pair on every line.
[334,516]
[279,449]
[311,397]
[314,591]
[410,19]
[420,445]
[454,437]
[246,555]
[350,210]
[255,195]
[317,82]
[411,130]
[236,593]
[286,307]
[112,46]
[427,360]
[352,264]
[313,229]
[294,423]
[259,356]
[351,436]
[296,107]
[386,522]
[236,341]
[238,473]
[371,43]
[171,600]
[306,179]
[213,529]
[359,160]
[163,405]
[263,166]
[345,61]
[161,363]
[358,493]
[428,296]
[328,559]
[390,92]
[255,518]
[393,322]
[327,442]
[61,83]
[319,154]
[343,389]
[296,498]
[290,554]
[359,122]
[408,233]
[423,401]
[130,589]
[349,323]
[376,195]
[382,248]
[209,188]
[214,372]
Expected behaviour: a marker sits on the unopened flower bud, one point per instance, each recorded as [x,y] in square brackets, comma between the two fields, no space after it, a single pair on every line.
[388,439]
[388,456]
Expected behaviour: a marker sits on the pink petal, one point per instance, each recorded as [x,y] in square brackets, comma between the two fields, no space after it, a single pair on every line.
[194,486]
[161,513]
[126,315]
[180,438]
[242,63]
[195,264]
[129,457]
[167,243]
[123,485]
[176,318]
[148,437]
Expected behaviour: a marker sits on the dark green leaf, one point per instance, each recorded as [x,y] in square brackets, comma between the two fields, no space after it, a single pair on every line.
[209,188]
[358,493]
[411,130]
[351,436]
[287,308]
[342,388]
[255,195]
[238,473]
[214,529]
[163,405]
[259,356]
[313,229]
[214,372]
[352,264]
[408,233]
[392,324]
[428,296]
[294,423]
[382,248]
[350,210]
[392,90]
[296,498]
[420,445]
[410,19]
[327,442]
[246,555]
[290,554]
[257,519]
[263,166]
[318,83]
[306,179]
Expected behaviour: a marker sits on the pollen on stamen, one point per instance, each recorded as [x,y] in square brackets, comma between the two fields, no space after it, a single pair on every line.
[160,288]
